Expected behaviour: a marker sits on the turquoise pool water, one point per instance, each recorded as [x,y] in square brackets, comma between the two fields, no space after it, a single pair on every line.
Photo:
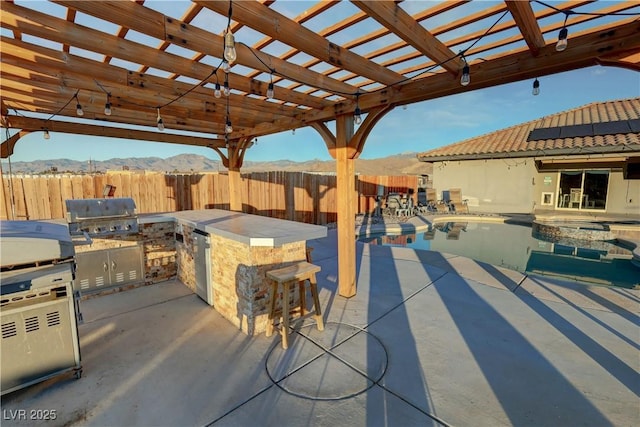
[514,247]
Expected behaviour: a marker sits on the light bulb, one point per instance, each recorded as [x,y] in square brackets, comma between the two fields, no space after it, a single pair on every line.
[465,79]
[562,39]
[160,122]
[228,128]
[107,109]
[79,111]
[229,47]
[226,67]
[536,87]
[226,90]
[46,134]
[217,92]
[357,117]
[270,91]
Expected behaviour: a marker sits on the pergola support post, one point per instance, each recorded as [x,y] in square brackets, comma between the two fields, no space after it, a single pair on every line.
[233,162]
[346,198]
[345,147]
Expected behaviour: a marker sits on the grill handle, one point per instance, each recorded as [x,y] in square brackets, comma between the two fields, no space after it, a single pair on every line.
[88,218]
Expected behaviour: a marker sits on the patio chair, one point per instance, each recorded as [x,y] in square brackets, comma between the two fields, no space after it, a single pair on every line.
[456,203]
[423,205]
[433,204]
[392,204]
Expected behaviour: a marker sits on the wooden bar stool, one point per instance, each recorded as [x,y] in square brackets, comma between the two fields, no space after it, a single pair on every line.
[287,276]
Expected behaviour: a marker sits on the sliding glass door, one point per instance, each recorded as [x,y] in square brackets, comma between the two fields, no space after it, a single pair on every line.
[583,189]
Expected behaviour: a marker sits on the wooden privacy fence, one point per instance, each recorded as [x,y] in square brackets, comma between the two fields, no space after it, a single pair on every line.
[297,196]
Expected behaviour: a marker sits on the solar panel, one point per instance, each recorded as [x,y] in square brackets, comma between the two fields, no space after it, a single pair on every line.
[544,133]
[634,125]
[611,128]
[576,131]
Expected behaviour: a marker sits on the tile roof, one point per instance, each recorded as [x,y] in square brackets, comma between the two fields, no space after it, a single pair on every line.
[512,141]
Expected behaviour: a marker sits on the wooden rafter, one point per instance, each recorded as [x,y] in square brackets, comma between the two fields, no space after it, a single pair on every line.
[279,27]
[524,17]
[155,24]
[42,25]
[408,29]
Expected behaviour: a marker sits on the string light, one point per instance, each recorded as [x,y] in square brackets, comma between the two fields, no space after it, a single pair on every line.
[46,135]
[465,79]
[79,111]
[226,90]
[107,105]
[562,39]
[226,67]
[357,114]
[229,47]
[564,32]
[217,92]
[536,88]
[270,88]
[229,53]
[228,128]
[160,122]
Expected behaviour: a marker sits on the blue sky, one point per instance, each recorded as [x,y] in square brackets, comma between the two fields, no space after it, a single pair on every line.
[419,127]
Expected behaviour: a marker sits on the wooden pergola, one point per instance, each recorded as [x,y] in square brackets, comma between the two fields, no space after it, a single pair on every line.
[327,61]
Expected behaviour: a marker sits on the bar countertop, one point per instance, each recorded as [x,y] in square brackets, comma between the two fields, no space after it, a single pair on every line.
[252,230]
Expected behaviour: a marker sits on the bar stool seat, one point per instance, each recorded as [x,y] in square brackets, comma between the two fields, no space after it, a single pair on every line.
[287,276]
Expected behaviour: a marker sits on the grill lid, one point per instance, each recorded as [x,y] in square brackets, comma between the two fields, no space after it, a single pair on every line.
[79,210]
[101,216]
[31,242]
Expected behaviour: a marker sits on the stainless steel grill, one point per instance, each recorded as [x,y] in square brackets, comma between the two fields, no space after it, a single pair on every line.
[100,217]
[38,311]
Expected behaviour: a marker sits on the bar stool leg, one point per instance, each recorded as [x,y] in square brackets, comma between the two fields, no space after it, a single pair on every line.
[303,297]
[316,302]
[273,293]
[285,315]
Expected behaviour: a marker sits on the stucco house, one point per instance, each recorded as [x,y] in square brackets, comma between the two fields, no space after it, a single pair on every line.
[583,160]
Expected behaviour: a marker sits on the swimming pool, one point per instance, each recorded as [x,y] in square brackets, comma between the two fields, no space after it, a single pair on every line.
[514,247]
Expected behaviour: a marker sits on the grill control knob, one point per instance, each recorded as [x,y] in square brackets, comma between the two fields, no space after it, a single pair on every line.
[114,227]
[128,226]
[97,230]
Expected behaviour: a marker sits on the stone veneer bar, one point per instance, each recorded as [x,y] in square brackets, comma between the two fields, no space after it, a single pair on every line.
[243,248]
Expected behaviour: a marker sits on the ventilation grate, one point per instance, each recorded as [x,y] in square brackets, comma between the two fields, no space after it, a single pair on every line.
[84,284]
[133,275]
[119,277]
[9,330]
[31,324]
[53,319]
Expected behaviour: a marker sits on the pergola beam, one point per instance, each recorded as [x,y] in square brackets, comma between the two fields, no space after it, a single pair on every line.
[584,51]
[526,21]
[34,124]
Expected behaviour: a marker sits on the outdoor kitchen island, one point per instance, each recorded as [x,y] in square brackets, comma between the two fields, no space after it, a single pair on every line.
[223,256]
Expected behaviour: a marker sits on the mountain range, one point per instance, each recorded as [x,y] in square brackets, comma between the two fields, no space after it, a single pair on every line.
[401,164]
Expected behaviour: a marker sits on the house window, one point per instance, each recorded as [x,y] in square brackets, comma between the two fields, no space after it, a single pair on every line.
[583,189]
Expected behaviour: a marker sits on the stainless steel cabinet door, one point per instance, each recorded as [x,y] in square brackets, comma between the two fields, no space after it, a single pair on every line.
[92,271]
[125,265]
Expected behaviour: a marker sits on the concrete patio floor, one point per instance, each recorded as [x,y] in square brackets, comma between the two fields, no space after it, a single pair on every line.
[429,339]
